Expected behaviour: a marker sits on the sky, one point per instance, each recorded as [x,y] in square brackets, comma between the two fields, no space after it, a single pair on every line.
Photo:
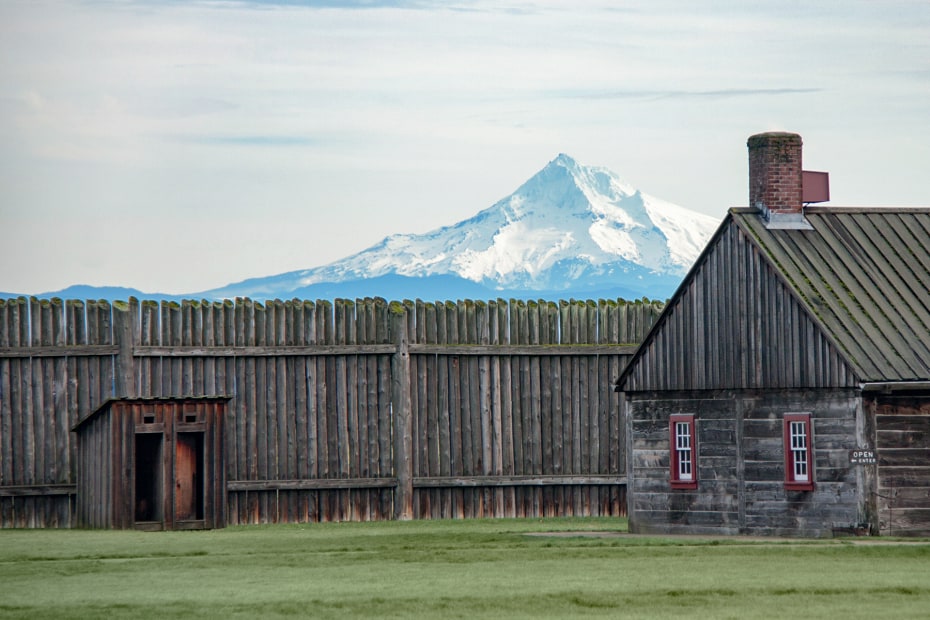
[177,146]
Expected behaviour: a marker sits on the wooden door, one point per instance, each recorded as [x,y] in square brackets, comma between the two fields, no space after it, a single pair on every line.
[188,483]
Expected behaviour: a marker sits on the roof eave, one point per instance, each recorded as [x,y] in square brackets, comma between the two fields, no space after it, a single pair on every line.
[888,387]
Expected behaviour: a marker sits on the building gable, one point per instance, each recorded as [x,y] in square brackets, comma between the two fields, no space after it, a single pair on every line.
[735,323]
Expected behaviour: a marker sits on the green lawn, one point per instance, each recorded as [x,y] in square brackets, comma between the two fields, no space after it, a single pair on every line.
[443,569]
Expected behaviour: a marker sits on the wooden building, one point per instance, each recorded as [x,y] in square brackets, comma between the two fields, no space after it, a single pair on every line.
[785,389]
[152,464]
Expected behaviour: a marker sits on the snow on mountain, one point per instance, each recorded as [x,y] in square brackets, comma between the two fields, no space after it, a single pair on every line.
[570,228]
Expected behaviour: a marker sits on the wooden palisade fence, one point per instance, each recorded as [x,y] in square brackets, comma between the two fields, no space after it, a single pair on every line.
[339,410]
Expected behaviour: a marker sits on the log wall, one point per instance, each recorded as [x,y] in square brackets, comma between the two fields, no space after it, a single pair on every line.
[902,439]
[339,410]
[740,464]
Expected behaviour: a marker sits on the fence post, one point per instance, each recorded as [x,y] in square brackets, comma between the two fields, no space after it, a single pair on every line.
[123,316]
[400,399]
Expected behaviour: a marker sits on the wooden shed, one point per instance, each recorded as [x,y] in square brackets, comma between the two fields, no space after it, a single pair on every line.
[152,464]
[785,389]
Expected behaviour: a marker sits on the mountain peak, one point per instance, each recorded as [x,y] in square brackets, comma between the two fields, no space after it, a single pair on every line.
[570,228]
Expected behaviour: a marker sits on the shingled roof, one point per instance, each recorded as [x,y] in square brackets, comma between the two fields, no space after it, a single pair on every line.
[864,275]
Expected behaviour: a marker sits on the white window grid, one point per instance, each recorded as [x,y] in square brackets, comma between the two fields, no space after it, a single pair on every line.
[798,434]
[683,450]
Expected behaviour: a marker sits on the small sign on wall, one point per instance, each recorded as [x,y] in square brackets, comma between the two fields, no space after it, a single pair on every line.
[862,456]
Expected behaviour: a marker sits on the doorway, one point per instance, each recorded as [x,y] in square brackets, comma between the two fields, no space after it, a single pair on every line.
[189,479]
[150,478]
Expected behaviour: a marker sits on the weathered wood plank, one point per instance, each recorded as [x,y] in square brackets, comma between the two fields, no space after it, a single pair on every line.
[37,489]
[385,412]
[359,502]
[7,422]
[403,465]
[260,504]
[310,484]
[517,481]
[59,446]
[419,406]
[184,351]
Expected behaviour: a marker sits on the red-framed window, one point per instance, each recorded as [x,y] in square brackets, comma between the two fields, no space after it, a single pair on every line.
[799,455]
[683,449]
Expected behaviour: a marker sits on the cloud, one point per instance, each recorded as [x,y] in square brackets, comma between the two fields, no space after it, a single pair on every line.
[330,4]
[726,93]
[253,140]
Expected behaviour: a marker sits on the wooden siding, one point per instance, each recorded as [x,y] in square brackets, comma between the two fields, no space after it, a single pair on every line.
[40,400]
[902,441]
[509,404]
[95,472]
[552,418]
[740,464]
[735,325]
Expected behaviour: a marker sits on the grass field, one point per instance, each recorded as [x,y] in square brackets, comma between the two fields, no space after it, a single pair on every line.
[453,569]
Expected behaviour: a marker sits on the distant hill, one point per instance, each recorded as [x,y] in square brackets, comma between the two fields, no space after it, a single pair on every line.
[109,293]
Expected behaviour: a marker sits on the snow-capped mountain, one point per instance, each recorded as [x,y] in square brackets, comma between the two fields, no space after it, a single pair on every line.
[569,231]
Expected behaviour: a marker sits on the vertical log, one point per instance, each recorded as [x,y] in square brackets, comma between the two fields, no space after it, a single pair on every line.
[123,320]
[19,415]
[470,426]
[323,329]
[434,422]
[251,414]
[7,454]
[362,498]
[403,463]
[299,374]
[373,408]
[289,406]
[261,445]
[385,413]
[455,410]
[484,406]
[39,316]
[29,419]
[495,405]
[545,407]
[330,388]
[505,389]
[514,396]
[211,316]
[186,385]
[444,407]
[285,422]
[147,337]
[566,380]
[77,375]
[352,409]
[61,437]
[171,336]
[312,411]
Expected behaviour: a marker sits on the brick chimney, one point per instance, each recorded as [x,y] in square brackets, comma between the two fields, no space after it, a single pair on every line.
[775,179]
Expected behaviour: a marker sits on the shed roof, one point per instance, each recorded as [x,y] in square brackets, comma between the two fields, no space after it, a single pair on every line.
[864,275]
[146,400]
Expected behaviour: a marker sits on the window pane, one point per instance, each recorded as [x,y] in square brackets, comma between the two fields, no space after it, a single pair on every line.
[683,443]
[798,432]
